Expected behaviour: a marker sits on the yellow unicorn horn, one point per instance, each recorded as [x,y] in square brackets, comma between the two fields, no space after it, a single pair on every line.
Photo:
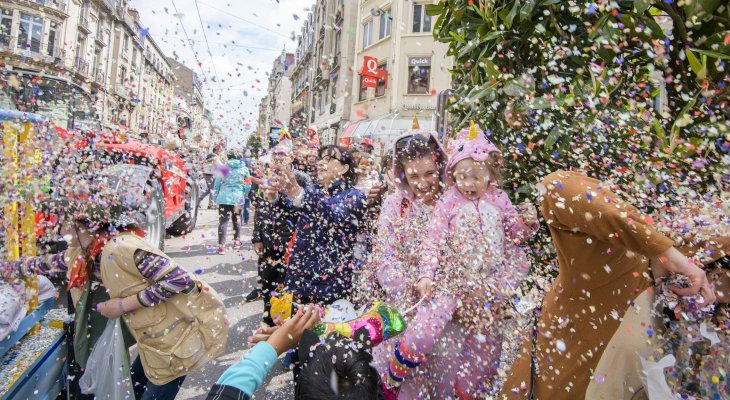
[415,123]
[473,131]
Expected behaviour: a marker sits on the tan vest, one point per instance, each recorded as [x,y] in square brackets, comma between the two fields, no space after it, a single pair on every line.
[176,336]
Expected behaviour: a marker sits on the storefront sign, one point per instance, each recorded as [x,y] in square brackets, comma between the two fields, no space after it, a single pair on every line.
[419,61]
[418,106]
[369,81]
[370,68]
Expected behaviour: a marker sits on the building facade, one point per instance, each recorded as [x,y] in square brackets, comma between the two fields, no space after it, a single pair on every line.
[322,77]
[278,111]
[399,36]
[103,47]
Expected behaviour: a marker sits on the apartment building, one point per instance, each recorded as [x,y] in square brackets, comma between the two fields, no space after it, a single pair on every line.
[279,96]
[104,47]
[398,35]
[263,127]
[188,107]
[322,76]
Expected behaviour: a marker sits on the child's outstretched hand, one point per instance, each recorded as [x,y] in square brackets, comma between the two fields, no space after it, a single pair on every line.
[288,335]
[528,213]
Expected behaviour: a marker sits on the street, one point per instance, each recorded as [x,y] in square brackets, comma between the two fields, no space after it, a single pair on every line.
[233,275]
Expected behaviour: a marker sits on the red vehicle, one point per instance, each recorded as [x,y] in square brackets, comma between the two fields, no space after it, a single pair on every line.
[153,177]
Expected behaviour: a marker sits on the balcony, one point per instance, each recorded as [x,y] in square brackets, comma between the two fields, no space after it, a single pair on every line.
[321,34]
[81,66]
[84,25]
[338,17]
[335,61]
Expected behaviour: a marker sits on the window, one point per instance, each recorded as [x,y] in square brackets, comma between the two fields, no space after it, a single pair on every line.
[134,57]
[6,23]
[52,37]
[31,32]
[334,87]
[421,21]
[386,24]
[126,45]
[122,75]
[382,82]
[363,91]
[367,34]
[338,39]
[419,75]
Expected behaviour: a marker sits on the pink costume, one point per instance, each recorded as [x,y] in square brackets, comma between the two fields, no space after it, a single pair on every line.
[477,268]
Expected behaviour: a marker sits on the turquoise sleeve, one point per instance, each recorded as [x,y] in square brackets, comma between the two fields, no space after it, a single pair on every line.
[249,373]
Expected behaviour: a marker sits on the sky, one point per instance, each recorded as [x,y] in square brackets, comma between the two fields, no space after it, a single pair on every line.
[245,36]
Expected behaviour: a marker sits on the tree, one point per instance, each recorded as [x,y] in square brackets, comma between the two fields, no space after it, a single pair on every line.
[254,144]
[631,91]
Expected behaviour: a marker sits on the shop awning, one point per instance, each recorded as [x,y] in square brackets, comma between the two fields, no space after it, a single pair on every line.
[349,129]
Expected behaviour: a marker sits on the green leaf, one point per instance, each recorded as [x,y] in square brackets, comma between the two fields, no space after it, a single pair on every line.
[699,68]
[434,9]
[713,54]
[552,138]
[512,14]
[545,3]
[457,37]
[702,9]
[526,10]
[641,6]
[492,35]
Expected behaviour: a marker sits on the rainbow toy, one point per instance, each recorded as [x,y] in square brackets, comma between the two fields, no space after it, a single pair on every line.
[381,321]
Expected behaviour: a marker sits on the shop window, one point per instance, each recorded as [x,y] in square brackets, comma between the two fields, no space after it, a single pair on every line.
[363,95]
[419,75]
[382,82]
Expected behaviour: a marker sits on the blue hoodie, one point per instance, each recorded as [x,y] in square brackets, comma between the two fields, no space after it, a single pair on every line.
[232,188]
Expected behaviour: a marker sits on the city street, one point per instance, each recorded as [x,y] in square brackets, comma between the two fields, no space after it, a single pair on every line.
[233,275]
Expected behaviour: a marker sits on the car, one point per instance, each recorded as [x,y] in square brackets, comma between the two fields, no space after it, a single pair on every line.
[168,191]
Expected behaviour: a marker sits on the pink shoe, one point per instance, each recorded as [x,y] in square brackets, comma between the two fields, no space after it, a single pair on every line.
[221,250]
[236,244]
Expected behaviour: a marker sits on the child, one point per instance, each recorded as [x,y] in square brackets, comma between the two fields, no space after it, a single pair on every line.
[471,252]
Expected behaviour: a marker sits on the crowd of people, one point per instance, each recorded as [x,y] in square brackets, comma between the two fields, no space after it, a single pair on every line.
[428,230]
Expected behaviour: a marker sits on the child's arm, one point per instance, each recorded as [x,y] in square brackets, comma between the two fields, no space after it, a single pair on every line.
[245,376]
[515,226]
[435,242]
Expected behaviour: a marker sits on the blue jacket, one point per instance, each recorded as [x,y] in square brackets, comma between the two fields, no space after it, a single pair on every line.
[232,189]
[321,262]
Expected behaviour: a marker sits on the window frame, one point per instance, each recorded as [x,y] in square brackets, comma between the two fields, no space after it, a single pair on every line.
[367,40]
[33,22]
[6,15]
[362,94]
[422,20]
[384,67]
[388,19]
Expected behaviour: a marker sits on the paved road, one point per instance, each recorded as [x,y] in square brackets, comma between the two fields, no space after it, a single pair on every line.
[233,275]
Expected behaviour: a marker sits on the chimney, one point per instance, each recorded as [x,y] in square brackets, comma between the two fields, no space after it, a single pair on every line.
[133,13]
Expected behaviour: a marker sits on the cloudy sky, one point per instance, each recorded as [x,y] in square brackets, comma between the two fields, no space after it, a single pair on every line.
[244,37]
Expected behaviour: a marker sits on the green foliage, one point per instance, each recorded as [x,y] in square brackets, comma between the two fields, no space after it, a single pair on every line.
[254,143]
[631,91]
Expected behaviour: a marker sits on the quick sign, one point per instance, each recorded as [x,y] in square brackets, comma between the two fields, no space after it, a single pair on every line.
[369,81]
[419,61]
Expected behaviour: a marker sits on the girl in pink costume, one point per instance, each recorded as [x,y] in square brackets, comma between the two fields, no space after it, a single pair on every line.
[472,254]
[418,166]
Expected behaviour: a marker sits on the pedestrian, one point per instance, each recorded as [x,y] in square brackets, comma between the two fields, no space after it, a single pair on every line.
[230,192]
[274,225]
[178,323]
[386,166]
[393,270]
[469,251]
[301,157]
[368,180]
[211,168]
[605,248]
[329,217]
